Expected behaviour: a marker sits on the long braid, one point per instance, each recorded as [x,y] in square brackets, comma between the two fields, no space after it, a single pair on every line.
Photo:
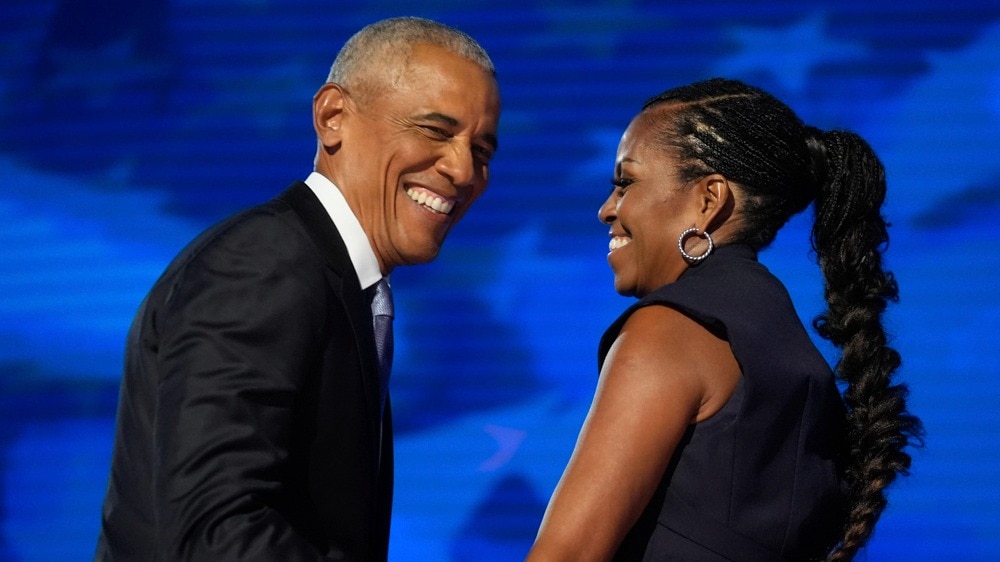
[780,165]
[849,236]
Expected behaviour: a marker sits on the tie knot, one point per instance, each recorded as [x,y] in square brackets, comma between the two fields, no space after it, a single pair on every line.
[382,299]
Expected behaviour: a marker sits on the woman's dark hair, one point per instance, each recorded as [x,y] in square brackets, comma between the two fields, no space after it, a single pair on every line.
[779,166]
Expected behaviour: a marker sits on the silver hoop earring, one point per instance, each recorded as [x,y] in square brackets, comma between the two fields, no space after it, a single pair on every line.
[694,259]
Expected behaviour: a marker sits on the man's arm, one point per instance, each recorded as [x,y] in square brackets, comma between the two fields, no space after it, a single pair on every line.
[237,336]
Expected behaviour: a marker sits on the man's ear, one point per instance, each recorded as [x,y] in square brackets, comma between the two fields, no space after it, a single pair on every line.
[716,201]
[328,111]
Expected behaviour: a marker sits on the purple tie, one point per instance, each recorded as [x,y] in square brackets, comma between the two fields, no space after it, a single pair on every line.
[382,316]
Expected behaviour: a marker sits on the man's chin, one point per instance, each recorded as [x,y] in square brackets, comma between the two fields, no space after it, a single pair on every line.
[421,253]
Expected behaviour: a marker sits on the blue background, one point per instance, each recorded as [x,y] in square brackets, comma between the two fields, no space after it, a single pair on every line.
[128,126]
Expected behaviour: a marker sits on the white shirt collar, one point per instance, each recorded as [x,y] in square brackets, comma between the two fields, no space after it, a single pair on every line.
[358,247]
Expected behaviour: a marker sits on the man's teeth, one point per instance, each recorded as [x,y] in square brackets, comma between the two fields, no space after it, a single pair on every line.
[432,202]
[617,242]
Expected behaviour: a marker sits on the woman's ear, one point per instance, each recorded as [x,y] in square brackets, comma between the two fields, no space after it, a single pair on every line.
[716,201]
[328,110]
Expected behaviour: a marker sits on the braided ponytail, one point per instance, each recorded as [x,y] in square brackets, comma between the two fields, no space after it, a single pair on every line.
[849,236]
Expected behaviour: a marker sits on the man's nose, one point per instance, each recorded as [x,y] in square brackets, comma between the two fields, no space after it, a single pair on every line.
[458,164]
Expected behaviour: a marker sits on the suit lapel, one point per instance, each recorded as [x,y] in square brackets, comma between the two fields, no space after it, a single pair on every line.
[331,245]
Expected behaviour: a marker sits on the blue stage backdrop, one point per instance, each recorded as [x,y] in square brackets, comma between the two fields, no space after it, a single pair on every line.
[127,126]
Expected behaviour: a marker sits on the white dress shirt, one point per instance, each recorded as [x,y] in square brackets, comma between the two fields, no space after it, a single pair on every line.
[358,247]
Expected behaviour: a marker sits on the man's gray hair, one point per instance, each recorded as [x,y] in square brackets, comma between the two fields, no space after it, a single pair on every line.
[384,44]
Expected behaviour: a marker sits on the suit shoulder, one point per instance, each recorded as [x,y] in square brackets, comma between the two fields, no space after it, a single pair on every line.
[265,241]
[270,231]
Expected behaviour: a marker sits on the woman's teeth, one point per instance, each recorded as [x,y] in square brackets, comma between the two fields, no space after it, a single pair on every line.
[618,242]
[430,201]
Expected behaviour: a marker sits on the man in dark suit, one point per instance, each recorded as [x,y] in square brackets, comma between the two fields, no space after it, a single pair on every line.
[253,421]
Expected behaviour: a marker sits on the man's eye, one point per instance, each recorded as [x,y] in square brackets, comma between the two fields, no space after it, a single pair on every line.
[436,131]
[484,154]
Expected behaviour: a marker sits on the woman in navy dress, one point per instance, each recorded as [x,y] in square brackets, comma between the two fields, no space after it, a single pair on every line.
[717,431]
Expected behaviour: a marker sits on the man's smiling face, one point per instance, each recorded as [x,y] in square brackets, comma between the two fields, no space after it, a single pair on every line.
[414,157]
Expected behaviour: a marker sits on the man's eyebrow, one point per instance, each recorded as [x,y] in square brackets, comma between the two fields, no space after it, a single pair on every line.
[439,117]
[452,122]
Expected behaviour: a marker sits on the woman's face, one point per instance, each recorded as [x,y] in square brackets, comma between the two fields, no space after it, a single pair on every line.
[647,211]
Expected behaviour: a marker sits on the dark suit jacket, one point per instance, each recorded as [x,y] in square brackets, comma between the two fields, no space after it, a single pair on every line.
[248,422]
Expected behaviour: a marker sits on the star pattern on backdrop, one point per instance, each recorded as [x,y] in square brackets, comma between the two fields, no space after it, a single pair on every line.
[789,53]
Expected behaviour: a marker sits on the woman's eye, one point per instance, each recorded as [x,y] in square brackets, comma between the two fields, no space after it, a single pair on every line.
[621,184]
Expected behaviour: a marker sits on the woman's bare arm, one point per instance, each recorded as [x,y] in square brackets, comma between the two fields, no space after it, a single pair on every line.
[663,373]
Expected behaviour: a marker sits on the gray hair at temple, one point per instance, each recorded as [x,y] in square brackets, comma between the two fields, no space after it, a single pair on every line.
[375,56]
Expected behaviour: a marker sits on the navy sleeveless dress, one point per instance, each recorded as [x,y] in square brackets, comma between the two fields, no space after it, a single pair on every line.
[759,480]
